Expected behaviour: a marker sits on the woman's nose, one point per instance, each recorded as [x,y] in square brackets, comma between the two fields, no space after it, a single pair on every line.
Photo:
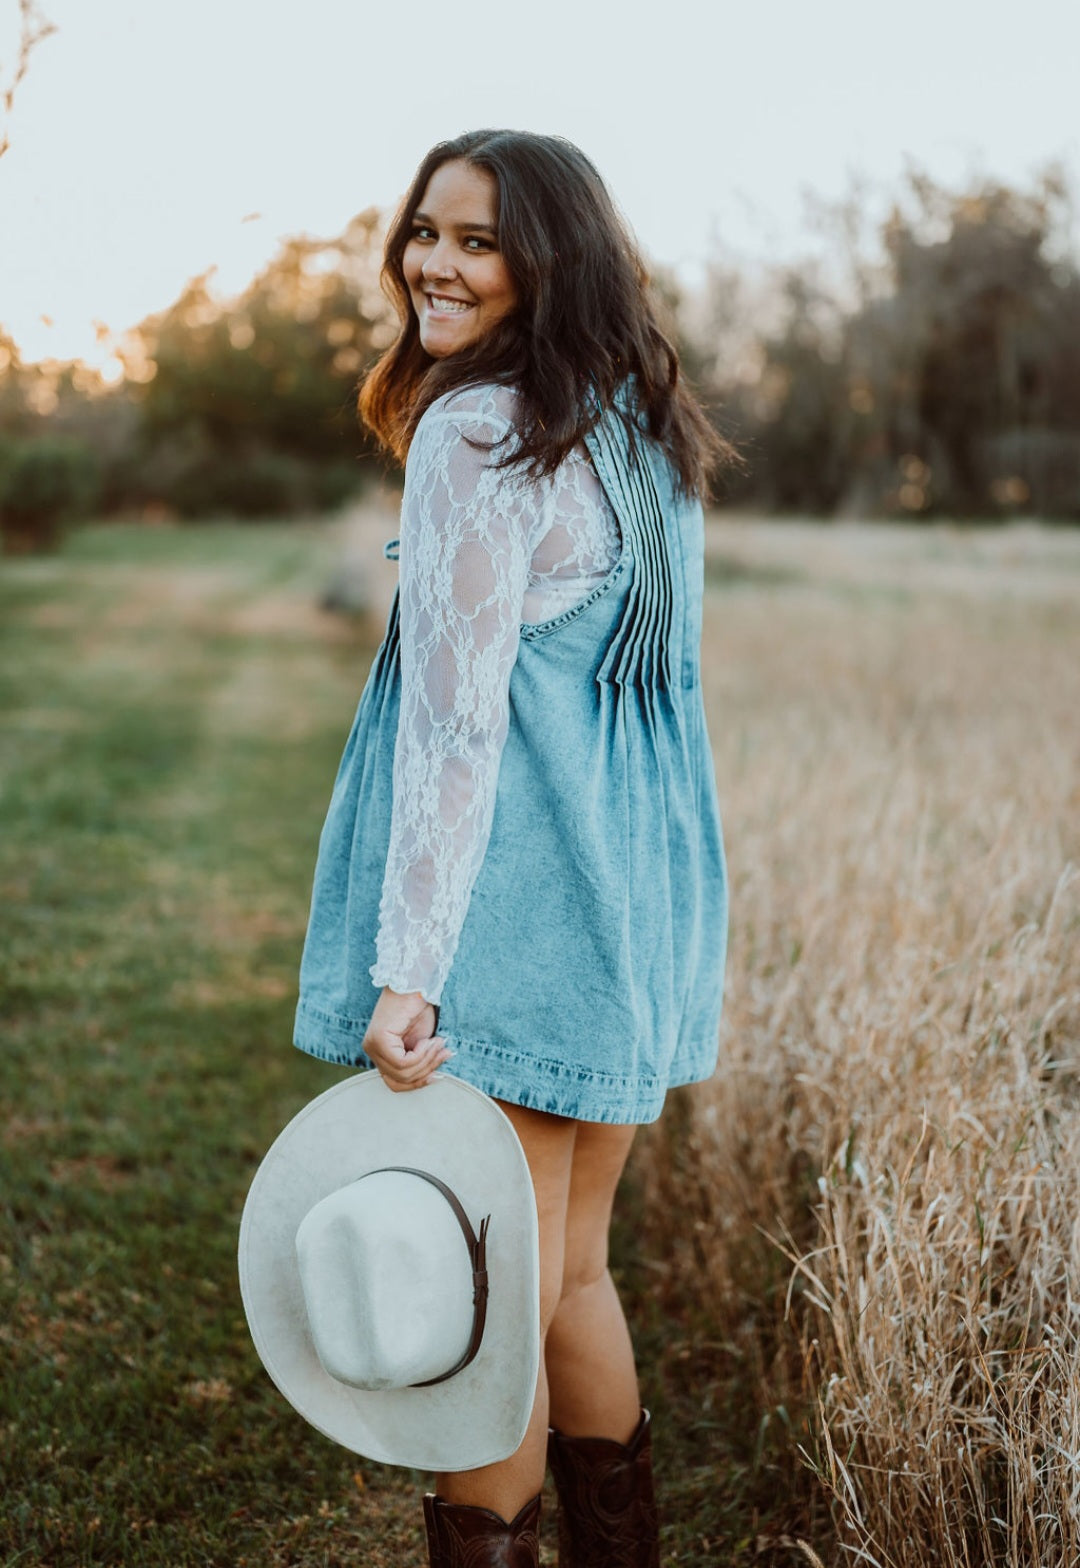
[438,263]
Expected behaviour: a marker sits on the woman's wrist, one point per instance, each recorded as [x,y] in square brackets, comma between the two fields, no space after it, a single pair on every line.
[417,998]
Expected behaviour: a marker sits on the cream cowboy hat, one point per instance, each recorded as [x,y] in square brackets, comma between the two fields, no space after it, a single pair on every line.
[389,1269]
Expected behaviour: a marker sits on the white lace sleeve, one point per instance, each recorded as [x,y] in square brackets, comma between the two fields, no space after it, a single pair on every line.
[467,535]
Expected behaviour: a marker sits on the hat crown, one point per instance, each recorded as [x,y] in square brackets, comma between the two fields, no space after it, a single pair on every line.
[387,1281]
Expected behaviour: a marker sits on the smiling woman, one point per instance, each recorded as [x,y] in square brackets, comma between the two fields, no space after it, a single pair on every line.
[457,278]
[522,865]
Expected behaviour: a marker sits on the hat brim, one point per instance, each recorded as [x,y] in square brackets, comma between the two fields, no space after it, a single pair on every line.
[459,1134]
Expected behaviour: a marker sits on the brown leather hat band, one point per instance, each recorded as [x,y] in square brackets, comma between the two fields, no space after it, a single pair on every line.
[477,1245]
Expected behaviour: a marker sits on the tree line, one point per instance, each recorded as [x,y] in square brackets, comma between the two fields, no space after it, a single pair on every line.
[935,372]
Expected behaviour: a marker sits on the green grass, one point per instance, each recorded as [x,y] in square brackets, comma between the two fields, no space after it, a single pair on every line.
[173,712]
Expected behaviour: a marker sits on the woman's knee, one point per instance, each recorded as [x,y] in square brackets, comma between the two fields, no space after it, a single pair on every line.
[582,1273]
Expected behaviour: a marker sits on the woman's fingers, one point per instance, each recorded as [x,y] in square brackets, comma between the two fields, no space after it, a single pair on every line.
[399,1040]
[403,1067]
[422,1027]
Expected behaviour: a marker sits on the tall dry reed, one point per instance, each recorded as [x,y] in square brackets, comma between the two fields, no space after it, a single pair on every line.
[896,1115]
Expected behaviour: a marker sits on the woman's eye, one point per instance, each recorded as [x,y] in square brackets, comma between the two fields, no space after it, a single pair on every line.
[422,232]
[476,242]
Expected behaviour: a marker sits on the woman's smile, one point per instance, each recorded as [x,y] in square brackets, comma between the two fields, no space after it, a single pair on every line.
[445,305]
[458,281]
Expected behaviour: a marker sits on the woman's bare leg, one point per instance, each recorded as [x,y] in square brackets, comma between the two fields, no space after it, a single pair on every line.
[592,1380]
[506,1487]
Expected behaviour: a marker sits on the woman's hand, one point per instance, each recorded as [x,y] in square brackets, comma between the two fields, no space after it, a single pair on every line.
[400,1042]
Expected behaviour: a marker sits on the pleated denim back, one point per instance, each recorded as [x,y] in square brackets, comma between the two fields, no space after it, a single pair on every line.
[588,978]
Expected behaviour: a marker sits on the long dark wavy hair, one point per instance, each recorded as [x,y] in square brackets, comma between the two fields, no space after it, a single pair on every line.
[584,321]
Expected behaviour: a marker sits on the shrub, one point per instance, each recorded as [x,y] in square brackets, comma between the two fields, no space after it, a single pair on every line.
[45,483]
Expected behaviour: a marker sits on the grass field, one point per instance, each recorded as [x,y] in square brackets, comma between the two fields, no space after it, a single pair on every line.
[896,722]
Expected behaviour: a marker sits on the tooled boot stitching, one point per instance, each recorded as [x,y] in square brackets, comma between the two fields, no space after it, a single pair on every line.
[460,1536]
[607,1507]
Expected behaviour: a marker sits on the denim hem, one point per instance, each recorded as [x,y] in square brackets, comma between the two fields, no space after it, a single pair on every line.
[536,1082]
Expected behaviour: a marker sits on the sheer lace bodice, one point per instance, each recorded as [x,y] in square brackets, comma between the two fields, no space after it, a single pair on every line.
[482,550]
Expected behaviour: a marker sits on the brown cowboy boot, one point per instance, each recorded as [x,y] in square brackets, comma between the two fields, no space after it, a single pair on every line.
[460,1536]
[607,1509]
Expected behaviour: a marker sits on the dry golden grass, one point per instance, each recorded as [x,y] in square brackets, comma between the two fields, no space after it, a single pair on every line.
[896,1111]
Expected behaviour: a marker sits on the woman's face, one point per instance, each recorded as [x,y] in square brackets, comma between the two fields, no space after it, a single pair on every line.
[459,284]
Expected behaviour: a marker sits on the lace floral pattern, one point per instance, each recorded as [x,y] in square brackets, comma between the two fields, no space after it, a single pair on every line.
[482,550]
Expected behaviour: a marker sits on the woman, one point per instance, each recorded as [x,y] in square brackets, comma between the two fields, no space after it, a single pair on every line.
[524,844]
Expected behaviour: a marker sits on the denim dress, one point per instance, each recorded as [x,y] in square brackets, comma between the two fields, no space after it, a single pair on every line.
[588,976]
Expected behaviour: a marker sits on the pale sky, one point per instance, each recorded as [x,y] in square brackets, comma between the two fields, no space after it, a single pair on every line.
[148,131]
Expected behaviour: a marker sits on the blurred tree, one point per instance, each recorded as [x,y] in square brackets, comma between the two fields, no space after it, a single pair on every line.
[248,405]
[13,377]
[940,377]
[794,402]
[970,370]
[33,29]
[63,412]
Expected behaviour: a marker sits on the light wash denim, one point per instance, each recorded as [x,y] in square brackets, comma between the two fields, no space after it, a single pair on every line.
[588,979]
